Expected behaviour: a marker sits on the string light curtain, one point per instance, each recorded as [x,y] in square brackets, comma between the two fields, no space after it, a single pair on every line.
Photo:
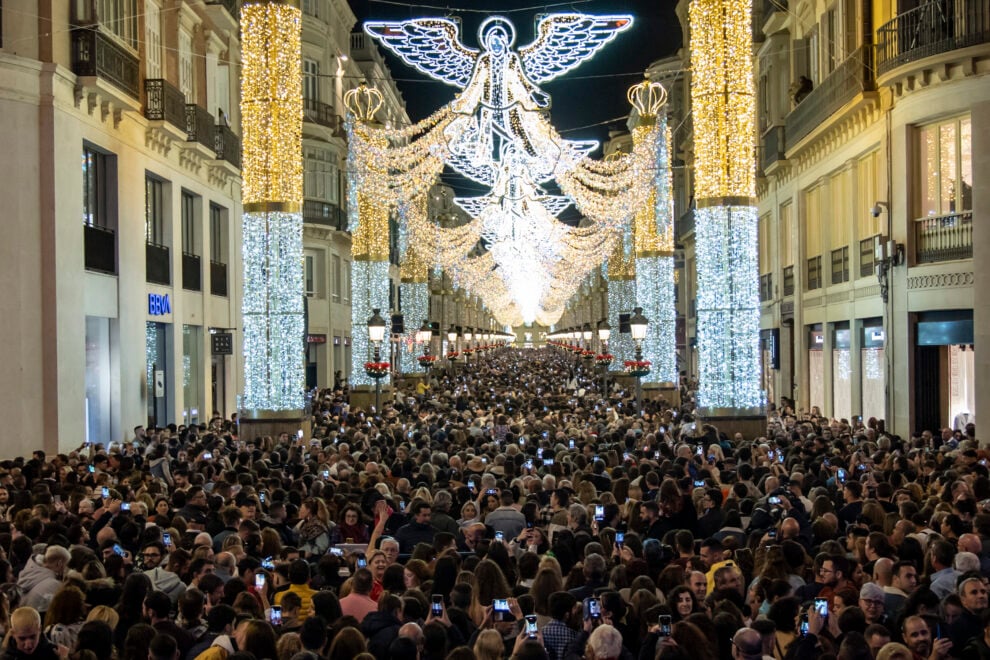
[272,172]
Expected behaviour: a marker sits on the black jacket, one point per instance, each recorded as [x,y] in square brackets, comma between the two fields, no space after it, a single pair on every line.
[381,629]
[45,650]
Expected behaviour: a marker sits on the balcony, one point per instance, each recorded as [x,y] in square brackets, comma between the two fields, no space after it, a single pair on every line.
[230,5]
[323,213]
[96,55]
[322,114]
[787,281]
[100,246]
[164,102]
[766,287]
[157,267]
[227,145]
[218,279]
[191,272]
[851,78]
[773,147]
[199,125]
[685,225]
[931,29]
[943,238]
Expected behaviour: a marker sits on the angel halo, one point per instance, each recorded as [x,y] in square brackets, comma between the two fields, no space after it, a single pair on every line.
[496,132]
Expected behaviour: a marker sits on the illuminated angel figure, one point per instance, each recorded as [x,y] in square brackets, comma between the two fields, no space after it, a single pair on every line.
[501,100]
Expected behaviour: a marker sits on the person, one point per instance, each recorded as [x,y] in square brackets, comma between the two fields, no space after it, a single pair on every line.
[25,640]
[358,603]
[299,577]
[313,529]
[747,644]
[418,529]
[41,577]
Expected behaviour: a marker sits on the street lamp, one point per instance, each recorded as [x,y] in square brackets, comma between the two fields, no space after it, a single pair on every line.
[637,327]
[604,332]
[423,336]
[468,335]
[586,335]
[376,333]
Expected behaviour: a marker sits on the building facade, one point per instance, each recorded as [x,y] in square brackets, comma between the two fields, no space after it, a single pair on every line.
[122,239]
[869,121]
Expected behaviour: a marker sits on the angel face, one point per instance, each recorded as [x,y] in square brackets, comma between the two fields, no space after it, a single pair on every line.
[496,35]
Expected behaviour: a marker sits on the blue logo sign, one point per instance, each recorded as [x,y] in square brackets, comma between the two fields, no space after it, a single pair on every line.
[159,304]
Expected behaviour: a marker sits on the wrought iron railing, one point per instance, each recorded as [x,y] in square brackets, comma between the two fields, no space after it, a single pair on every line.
[218,279]
[227,145]
[324,213]
[944,237]
[199,125]
[96,54]
[933,28]
[773,146]
[100,247]
[851,77]
[322,114]
[191,272]
[787,281]
[164,102]
[157,264]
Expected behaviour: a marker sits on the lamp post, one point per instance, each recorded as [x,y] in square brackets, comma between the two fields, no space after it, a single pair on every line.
[468,335]
[451,347]
[604,332]
[423,336]
[637,327]
[376,333]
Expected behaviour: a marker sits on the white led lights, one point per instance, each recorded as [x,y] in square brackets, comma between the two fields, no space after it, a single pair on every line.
[369,290]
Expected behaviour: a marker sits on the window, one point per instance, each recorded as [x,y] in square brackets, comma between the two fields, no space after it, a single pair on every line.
[189,233]
[812,223]
[119,18]
[152,39]
[321,179]
[218,234]
[347,281]
[154,211]
[839,226]
[840,265]
[786,248]
[309,274]
[311,79]
[187,81]
[814,274]
[763,233]
[98,188]
[867,255]
[310,7]
[947,174]
[337,278]
[867,194]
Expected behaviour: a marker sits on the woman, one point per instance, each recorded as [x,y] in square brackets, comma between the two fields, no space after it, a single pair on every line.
[469,514]
[131,606]
[491,584]
[784,614]
[259,637]
[163,513]
[377,564]
[65,616]
[546,583]
[489,645]
[313,528]
[347,644]
[415,573]
[682,602]
[350,529]
[137,643]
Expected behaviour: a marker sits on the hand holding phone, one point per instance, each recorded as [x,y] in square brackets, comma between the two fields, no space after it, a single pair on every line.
[436,608]
[531,628]
[276,615]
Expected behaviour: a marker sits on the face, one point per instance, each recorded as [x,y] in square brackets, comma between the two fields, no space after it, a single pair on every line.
[162,508]
[873,609]
[828,574]
[917,637]
[152,556]
[877,642]
[378,566]
[409,579]
[699,585]
[391,551]
[26,638]
[906,579]
[423,516]
[731,580]
[974,596]
[708,555]
[684,604]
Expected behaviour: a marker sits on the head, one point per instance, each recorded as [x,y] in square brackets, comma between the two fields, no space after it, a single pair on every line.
[973,594]
[917,636]
[605,643]
[747,645]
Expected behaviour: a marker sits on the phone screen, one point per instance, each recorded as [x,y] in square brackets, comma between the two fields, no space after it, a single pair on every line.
[362,562]
[592,608]
[259,581]
[105,492]
[276,616]
[804,624]
[620,537]
[437,606]
[499,536]
[599,512]
[665,625]
[821,604]
[531,625]
[167,538]
[118,550]
[501,605]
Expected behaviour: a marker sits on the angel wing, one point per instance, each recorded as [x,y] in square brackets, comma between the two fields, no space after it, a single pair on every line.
[564,41]
[428,44]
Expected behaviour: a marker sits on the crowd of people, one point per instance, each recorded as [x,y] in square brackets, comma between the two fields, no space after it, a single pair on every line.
[507,509]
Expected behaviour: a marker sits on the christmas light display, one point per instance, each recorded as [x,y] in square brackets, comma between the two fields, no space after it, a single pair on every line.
[513,252]
[271,117]
[621,300]
[723,112]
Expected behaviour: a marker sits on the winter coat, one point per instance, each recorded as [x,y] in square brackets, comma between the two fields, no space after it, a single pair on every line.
[38,583]
[381,629]
[166,581]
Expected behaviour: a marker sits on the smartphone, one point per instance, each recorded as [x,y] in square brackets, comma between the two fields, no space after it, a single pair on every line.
[276,615]
[500,607]
[471,485]
[337,552]
[656,455]
[299,434]
[548,461]
[592,608]
[92,469]
[105,493]
[125,506]
[665,625]
[261,496]
[771,454]
[599,512]
[326,474]
[539,452]
[699,451]
[167,539]
[774,500]
[268,564]
[259,580]
[531,626]
[570,443]
[821,605]
[437,606]
[546,434]
[699,483]
[620,538]
[528,465]
[491,491]
[119,551]
[861,467]
[711,459]
[772,534]
[208,456]
[841,474]
[402,506]
[804,624]
[362,562]
[499,536]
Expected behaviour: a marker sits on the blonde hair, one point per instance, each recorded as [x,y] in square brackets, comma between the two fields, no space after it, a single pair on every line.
[107,615]
[489,646]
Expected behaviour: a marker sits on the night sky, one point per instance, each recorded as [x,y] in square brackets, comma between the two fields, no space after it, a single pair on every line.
[593,93]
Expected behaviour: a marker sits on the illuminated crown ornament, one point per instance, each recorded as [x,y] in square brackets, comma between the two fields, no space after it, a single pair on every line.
[647,98]
[364,102]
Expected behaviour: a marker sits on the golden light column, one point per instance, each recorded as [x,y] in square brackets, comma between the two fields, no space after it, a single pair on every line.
[724,111]
[272,172]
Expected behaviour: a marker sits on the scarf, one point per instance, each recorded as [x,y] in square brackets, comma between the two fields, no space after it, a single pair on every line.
[358,532]
[311,529]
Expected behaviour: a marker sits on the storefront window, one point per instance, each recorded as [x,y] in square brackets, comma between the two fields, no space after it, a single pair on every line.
[841,372]
[962,383]
[157,373]
[816,369]
[192,373]
[872,373]
[98,410]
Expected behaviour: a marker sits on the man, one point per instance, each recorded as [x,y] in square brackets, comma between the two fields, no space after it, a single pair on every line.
[877,636]
[225,566]
[969,623]
[359,603]
[978,648]
[290,613]
[299,584]
[747,644]
[918,638]
[594,577]
[729,578]
[157,606]
[26,641]
[41,577]
[650,516]
[219,621]
[231,517]
[871,601]
[418,529]
[604,643]
[391,549]
[560,631]
[833,572]
[441,519]
[556,511]
[506,518]
[194,512]
[714,556]
[698,584]
[943,577]
[904,580]
[852,492]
